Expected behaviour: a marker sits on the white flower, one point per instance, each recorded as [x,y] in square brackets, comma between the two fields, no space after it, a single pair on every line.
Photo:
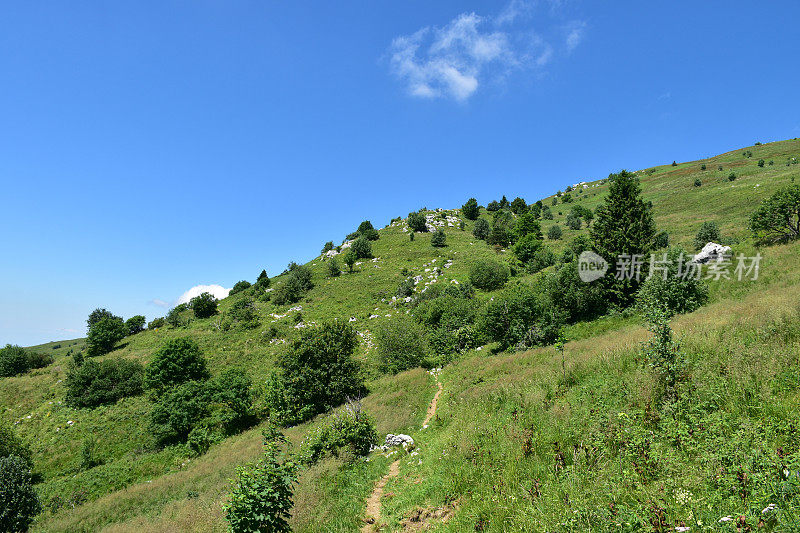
[682,528]
[725,519]
[768,508]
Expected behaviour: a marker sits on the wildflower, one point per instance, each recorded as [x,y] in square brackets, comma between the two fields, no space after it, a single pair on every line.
[725,519]
[768,508]
[682,528]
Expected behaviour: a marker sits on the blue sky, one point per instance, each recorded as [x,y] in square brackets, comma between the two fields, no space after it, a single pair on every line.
[148,147]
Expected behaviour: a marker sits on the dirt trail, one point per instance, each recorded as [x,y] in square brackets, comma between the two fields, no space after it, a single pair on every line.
[373,512]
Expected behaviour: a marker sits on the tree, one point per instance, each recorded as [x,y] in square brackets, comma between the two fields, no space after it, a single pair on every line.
[470,210]
[295,285]
[327,247]
[502,233]
[365,226]
[573,221]
[261,499]
[708,232]
[481,229]
[401,344]
[362,248]
[263,280]
[11,444]
[623,225]
[439,239]
[334,270]
[488,275]
[104,334]
[492,206]
[525,249]
[19,501]
[319,371]
[669,290]
[177,361]
[416,221]
[96,315]
[135,324]
[13,361]
[96,383]
[350,259]
[528,225]
[519,317]
[518,206]
[778,217]
[547,214]
[504,202]
[239,286]
[554,232]
[204,306]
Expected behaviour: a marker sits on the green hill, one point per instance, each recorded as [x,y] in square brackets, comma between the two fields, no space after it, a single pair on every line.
[536,440]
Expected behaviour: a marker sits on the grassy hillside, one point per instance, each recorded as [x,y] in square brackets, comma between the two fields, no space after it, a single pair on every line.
[537,440]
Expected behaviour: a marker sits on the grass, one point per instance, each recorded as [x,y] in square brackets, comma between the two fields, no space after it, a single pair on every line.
[491,406]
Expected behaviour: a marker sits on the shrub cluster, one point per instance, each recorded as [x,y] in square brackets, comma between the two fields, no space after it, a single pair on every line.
[488,275]
[348,429]
[15,360]
[96,383]
[295,285]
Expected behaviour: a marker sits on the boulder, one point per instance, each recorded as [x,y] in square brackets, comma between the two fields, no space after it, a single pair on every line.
[712,252]
[398,440]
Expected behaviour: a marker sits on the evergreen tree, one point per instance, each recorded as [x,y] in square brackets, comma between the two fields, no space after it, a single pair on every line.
[470,209]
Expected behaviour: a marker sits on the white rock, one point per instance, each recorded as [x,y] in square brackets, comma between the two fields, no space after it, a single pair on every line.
[398,440]
[712,252]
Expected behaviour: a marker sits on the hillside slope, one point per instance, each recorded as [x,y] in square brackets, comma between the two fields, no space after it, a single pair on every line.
[529,441]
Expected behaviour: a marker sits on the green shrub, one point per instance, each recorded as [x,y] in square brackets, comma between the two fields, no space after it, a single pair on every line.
[319,371]
[554,232]
[177,411]
[470,210]
[520,318]
[674,164]
[697,182]
[11,444]
[243,311]
[502,233]
[348,428]
[361,248]
[400,344]
[334,270]
[231,399]
[542,258]
[732,176]
[492,206]
[573,222]
[708,232]
[261,498]
[13,361]
[777,219]
[263,281]
[239,286]
[19,502]
[204,306]
[350,258]
[667,289]
[519,206]
[156,323]
[760,162]
[525,249]
[575,299]
[177,361]
[416,221]
[135,324]
[439,239]
[295,285]
[97,383]
[661,240]
[547,214]
[96,315]
[104,335]
[528,225]
[482,229]
[327,247]
[703,166]
[488,275]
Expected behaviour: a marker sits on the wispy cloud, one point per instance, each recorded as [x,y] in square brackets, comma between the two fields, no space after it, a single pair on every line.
[454,60]
[159,303]
[575,31]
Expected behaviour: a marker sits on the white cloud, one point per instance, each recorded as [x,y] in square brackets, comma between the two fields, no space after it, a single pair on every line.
[575,33]
[454,60]
[218,291]
[159,302]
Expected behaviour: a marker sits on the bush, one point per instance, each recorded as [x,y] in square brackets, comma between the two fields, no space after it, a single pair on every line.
[488,275]
[204,306]
[177,411]
[334,270]
[731,176]
[492,206]
[542,258]
[525,249]
[528,225]
[156,323]
[502,229]
[239,286]
[439,239]
[520,318]
[400,345]
[350,258]
[20,503]
[177,361]
[230,397]
[135,324]
[295,285]
[348,428]
[554,232]
[96,315]
[243,311]
[319,371]
[573,222]
[13,361]
[482,229]
[97,383]
[708,232]
[703,166]
[327,247]
[674,164]
[416,221]
[261,498]
[778,217]
[666,289]
[174,318]
[661,240]
[760,162]
[470,210]
[362,248]
[10,444]
[263,281]
[575,299]
[519,206]
[104,335]
[697,182]
[546,213]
